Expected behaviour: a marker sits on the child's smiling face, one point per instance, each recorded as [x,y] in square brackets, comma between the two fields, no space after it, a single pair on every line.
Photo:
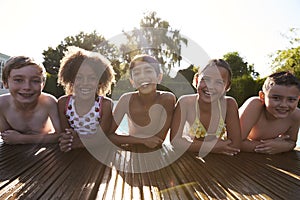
[144,77]
[25,84]
[280,100]
[213,83]
[86,82]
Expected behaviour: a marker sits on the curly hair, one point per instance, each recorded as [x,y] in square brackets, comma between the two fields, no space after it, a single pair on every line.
[74,59]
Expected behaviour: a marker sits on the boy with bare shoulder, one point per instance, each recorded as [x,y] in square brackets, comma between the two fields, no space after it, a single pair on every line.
[149,110]
[270,122]
[27,115]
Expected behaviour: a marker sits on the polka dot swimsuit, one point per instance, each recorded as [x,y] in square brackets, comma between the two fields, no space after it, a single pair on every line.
[88,123]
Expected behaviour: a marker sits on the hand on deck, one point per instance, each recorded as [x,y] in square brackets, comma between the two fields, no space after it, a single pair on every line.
[66,140]
[223,147]
[152,142]
[12,137]
[277,145]
[69,140]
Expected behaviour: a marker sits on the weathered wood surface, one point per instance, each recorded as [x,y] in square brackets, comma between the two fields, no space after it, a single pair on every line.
[43,172]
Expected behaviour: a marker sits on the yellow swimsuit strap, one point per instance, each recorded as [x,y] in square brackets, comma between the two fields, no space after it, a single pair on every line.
[198,130]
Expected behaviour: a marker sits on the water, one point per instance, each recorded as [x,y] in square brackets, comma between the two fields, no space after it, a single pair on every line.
[123,128]
[298,140]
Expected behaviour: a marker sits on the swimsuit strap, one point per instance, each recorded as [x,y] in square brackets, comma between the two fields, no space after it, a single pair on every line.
[100,105]
[220,110]
[67,103]
[199,131]
[198,110]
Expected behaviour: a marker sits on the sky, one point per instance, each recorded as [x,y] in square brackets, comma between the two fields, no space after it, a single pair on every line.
[253,28]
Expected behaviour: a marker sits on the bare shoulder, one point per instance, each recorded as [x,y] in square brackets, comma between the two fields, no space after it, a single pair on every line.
[62,100]
[123,101]
[48,98]
[231,102]
[253,103]
[188,99]
[296,115]
[166,96]
[107,101]
[126,96]
[4,100]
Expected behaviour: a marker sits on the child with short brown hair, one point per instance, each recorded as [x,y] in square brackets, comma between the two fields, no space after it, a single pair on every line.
[149,111]
[270,122]
[27,115]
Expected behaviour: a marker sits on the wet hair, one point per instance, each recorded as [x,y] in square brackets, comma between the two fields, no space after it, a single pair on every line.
[284,78]
[145,58]
[74,59]
[18,62]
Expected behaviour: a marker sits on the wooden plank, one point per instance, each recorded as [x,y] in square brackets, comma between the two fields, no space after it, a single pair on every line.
[43,172]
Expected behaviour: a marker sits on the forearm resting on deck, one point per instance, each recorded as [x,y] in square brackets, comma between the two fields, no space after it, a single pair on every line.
[14,137]
[150,142]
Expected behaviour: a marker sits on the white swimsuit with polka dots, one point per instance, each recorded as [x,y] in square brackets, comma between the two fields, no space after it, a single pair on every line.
[88,123]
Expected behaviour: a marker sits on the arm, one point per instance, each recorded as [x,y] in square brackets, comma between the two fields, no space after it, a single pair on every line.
[66,139]
[206,146]
[177,127]
[168,103]
[277,145]
[285,142]
[11,136]
[4,125]
[14,137]
[232,122]
[249,114]
[107,117]
[54,115]
[119,112]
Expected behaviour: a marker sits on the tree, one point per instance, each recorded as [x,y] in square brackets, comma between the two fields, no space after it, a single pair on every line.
[243,87]
[239,66]
[288,59]
[155,37]
[90,42]
[243,84]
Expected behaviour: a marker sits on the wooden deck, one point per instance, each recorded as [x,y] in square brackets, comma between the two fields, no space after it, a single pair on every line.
[43,172]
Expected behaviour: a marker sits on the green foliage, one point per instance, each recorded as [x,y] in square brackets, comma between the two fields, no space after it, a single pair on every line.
[156,37]
[244,87]
[91,42]
[51,86]
[243,84]
[239,66]
[289,59]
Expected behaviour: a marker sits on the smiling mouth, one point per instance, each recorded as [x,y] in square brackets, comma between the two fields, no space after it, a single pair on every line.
[145,84]
[206,92]
[85,91]
[282,111]
[26,95]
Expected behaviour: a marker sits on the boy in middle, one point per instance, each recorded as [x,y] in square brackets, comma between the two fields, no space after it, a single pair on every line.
[149,110]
